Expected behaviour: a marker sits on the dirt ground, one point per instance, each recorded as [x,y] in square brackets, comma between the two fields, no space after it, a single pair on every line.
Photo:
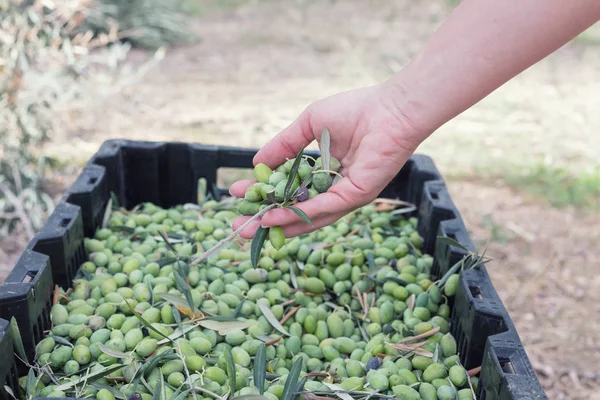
[257,64]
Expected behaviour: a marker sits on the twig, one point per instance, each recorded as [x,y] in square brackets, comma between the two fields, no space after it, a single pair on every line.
[474,371]
[187,372]
[273,341]
[289,314]
[229,238]
[18,210]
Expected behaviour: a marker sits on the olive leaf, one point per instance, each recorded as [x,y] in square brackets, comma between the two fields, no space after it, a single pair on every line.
[115,392]
[251,397]
[223,327]
[450,242]
[371,260]
[17,340]
[257,243]
[271,197]
[182,284]
[107,213]
[176,334]
[291,383]
[112,352]
[166,261]
[90,377]
[31,384]
[181,394]
[9,391]
[271,318]
[164,237]
[160,389]
[61,340]
[238,309]
[293,278]
[260,368]
[143,321]
[230,370]
[436,353]
[301,214]
[124,228]
[292,176]
[115,200]
[324,144]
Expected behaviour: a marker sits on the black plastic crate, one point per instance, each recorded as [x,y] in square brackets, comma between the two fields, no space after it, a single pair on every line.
[168,173]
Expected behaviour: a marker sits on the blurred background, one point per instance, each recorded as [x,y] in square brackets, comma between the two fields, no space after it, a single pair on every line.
[523,165]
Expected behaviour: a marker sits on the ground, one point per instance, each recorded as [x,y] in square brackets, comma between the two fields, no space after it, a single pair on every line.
[522,165]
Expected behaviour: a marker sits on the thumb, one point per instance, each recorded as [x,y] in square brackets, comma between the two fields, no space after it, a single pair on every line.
[286,144]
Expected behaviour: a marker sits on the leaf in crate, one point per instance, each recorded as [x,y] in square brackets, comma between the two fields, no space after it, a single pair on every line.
[91,377]
[159,389]
[166,261]
[107,213]
[124,228]
[292,175]
[176,334]
[223,327]
[112,352]
[17,340]
[238,309]
[301,214]
[30,385]
[339,392]
[293,278]
[251,397]
[450,242]
[271,318]
[165,238]
[371,260]
[257,243]
[143,321]
[112,390]
[61,340]
[271,197]
[9,391]
[230,370]
[291,383]
[260,368]
[324,144]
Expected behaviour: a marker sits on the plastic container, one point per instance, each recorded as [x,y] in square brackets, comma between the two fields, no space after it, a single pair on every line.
[168,173]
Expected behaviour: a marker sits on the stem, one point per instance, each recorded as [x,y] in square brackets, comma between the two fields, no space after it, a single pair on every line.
[187,372]
[329,171]
[235,233]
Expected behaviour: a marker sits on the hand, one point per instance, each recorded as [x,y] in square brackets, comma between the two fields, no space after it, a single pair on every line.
[371,137]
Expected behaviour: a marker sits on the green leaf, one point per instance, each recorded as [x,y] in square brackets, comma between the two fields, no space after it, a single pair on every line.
[166,261]
[17,340]
[176,334]
[175,300]
[115,200]
[113,352]
[291,383]
[371,260]
[454,269]
[301,214]
[436,354]
[149,285]
[9,391]
[223,327]
[164,237]
[271,197]
[293,278]
[124,228]
[292,175]
[251,397]
[61,340]
[143,321]
[221,318]
[177,317]
[260,368]
[107,213]
[450,242]
[88,378]
[182,285]
[271,318]
[238,309]
[324,144]
[230,370]
[115,392]
[257,243]
[30,384]
[158,390]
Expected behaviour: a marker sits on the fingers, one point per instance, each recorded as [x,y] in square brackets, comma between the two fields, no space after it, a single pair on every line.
[287,143]
[343,197]
[238,189]
[250,230]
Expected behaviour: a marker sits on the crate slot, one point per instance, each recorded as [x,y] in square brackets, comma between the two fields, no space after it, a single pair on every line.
[64,222]
[506,366]
[29,276]
[475,292]
[435,195]
[92,180]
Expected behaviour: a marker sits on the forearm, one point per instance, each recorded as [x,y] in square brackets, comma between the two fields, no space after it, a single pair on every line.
[483,44]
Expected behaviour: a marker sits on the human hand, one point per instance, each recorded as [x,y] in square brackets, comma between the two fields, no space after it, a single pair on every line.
[370,135]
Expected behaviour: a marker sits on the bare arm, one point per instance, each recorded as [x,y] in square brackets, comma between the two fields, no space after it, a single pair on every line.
[374,130]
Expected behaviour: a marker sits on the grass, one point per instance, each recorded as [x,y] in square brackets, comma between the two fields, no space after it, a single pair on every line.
[558,186]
